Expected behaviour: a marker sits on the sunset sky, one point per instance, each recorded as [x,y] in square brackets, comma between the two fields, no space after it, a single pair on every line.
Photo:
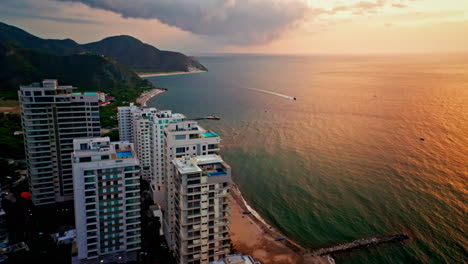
[253,26]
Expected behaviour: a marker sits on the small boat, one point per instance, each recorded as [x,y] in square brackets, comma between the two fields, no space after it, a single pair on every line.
[247,213]
[422,139]
[280,239]
[213,117]
[294,98]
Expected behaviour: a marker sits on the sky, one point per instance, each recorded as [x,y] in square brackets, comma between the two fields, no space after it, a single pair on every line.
[253,26]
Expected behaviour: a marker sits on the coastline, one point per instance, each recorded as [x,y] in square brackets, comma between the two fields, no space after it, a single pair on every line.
[144,97]
[252,235]
[143,74]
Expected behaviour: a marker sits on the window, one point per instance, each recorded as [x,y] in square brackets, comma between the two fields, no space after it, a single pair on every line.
[85,159]
[180,137]
[179,150]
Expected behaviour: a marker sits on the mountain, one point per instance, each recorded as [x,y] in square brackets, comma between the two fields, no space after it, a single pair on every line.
[87,71]
[126,50]
[139,56]
[23,39]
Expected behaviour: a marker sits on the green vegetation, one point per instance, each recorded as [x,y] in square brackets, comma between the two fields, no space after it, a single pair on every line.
[108,114]
[11,146]
[126,50]
[113,135]
[86,71]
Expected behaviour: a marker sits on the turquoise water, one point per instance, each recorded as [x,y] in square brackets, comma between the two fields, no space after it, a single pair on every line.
[124,154]
[345,160]
[209,134]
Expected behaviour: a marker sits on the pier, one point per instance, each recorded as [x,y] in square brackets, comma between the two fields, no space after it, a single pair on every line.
[209,117]
[359,243]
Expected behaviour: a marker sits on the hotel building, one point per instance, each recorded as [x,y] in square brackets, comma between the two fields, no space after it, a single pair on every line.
[107,201]
[201,208]
[52,116]
[144,126]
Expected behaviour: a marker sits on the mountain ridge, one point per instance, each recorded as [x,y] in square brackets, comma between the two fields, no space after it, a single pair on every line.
[126,50]
[86,71]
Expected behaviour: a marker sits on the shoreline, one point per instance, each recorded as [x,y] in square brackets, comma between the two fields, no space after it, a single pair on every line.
[144,74]
[144,97]
[252,235]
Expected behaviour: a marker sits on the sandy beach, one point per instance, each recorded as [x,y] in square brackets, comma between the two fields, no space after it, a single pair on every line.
[251,236]
[149,74]
[144,97]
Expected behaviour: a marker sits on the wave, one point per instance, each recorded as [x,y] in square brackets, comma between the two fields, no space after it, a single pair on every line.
[272,93]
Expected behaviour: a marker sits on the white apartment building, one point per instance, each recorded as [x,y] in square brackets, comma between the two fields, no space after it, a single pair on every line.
[144,126]
[236,259]
[201,209]
[184,138]
[107,201]
[52,116]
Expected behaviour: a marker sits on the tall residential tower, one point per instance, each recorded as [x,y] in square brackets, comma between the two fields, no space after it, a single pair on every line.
[52,116]
[107,201]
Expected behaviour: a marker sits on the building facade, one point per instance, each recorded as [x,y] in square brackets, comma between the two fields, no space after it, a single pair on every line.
[201,208]
[194,205]
[107,201]
[144,126]
[52,116]
[183,139]
[236,259]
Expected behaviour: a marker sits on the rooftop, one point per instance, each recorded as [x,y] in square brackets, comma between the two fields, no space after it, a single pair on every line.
[190,164]
[85,93]
[236,259]
[102,145]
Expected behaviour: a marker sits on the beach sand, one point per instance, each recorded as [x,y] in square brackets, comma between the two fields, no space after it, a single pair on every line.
[252,237]
[144,97]
[143,74]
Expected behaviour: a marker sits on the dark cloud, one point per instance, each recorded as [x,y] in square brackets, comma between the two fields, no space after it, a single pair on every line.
[237,21]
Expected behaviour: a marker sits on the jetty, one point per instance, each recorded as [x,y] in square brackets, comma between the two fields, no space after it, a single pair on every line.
[209,117]
[359,243]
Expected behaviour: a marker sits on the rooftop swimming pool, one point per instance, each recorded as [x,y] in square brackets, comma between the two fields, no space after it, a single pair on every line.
[218,172]
[210,134]
[86,93]
[124,154]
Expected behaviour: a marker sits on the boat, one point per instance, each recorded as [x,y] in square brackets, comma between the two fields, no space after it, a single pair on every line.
[280,239]
[247,213]
[213,117]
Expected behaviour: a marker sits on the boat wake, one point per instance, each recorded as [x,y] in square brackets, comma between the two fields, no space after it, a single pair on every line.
[272,93]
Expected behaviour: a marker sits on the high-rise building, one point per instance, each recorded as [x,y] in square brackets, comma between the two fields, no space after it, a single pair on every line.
[194,205]
[236,259]
[184,138]
[52,116]
[144,126]
[201,208]
[107,201]
[3,226]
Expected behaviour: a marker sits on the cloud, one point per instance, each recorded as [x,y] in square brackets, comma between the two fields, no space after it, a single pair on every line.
[398,5]
[236,21]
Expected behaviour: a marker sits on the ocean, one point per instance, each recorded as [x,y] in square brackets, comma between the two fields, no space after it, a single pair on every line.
[372,145]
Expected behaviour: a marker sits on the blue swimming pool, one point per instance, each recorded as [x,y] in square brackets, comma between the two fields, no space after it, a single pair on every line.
[210,134]
[124,154]
[218,172]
